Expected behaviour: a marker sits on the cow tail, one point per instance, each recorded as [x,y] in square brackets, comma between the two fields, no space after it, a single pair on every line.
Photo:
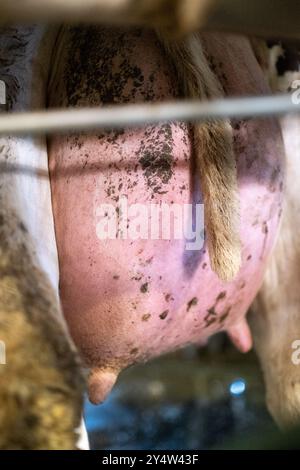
[214,155]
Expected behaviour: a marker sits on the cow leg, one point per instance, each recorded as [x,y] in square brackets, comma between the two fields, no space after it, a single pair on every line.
[274,318]
[40,390]
[40,384]
[275,314]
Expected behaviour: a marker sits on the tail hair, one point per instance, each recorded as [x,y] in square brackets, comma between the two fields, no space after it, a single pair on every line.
[214,155]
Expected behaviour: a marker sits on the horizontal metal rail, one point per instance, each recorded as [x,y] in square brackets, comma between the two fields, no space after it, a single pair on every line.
[268,18]
[137,115]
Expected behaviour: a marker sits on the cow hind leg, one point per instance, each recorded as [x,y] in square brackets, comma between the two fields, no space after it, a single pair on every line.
[274,319]
[41,386]
[40,390]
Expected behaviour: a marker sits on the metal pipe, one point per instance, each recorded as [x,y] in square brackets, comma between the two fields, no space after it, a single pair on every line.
[268,18]
[179,16]
[137,115]
[265,18]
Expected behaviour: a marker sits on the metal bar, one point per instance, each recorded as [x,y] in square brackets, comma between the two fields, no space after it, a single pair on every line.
[113,117]
[265,18]
[268,18]
[176,15]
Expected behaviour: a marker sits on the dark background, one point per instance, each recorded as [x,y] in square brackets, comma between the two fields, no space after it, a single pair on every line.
[192,399]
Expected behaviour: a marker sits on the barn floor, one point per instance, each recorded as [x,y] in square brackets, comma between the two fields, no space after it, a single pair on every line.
[192,399]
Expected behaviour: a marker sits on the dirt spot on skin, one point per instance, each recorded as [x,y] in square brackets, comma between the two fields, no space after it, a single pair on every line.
[211,311]
[224,316]
[146,317]
[156,158]
[134,351]
[249,257]
[168,297]
[138,277]
[144,288]
[164,315]
[264,228]
[265,231]
[145,263]
[211,317]
[192,303]
[116,277]
[210,321]
[221,296]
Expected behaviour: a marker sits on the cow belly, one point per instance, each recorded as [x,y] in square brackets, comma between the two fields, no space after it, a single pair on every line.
[128,300]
